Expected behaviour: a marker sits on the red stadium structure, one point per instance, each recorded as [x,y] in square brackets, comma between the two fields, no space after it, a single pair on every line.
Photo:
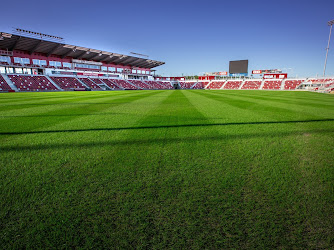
[40,63]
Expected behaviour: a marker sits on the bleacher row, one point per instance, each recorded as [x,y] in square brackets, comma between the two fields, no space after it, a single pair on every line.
[4,85]
[31,83]
[53,83]
[42,83]
[326,87]
[255,84]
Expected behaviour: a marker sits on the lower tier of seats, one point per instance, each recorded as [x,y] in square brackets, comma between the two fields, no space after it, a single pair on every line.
[32,83]
[272,84]
[23,82]
[4,85]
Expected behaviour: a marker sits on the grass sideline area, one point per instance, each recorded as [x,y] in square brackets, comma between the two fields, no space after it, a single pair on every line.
[167,169]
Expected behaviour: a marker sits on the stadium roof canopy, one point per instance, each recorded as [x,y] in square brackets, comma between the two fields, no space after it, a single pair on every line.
[18,42]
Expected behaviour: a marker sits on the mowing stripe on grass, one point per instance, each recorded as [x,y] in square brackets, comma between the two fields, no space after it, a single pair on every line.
[292,105]
[176,169]
[293,100]
[68,113]
[260,108]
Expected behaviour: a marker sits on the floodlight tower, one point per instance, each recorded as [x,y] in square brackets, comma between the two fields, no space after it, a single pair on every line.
[330,23]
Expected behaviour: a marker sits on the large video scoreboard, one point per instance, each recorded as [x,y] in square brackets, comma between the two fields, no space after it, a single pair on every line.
[238,67]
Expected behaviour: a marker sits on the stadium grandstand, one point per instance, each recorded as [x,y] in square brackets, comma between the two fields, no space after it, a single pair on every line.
[36,64]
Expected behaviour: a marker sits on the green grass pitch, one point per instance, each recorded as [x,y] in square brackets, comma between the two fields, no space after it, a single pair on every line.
[167,169]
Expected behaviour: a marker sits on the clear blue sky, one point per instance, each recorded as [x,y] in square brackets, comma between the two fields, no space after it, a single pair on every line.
[190,36]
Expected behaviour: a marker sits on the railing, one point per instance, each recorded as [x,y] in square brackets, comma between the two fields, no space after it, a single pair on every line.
[6,53]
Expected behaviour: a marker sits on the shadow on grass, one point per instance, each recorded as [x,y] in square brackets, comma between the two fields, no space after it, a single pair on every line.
[162,141]
[164,126]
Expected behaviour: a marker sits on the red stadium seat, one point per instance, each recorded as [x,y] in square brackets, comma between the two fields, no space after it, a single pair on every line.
[4,85]
[186,85]
[272,84]
[155,85]
[67,83]
[215,85]
[32,83]
[140,84]
[232,85]
[251,85]
[165,85]
[91,83]
[292,84]
[123,84]
[110,84]
[198,85]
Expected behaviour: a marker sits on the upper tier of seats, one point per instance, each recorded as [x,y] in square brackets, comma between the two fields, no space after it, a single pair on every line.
[232,85]
[31,83]
[251,85]
[4,85]
[272,84]
[67,82]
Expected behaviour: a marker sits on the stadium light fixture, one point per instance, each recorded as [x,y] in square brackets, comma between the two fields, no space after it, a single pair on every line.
[139,54]
[38,34]
[330,23]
